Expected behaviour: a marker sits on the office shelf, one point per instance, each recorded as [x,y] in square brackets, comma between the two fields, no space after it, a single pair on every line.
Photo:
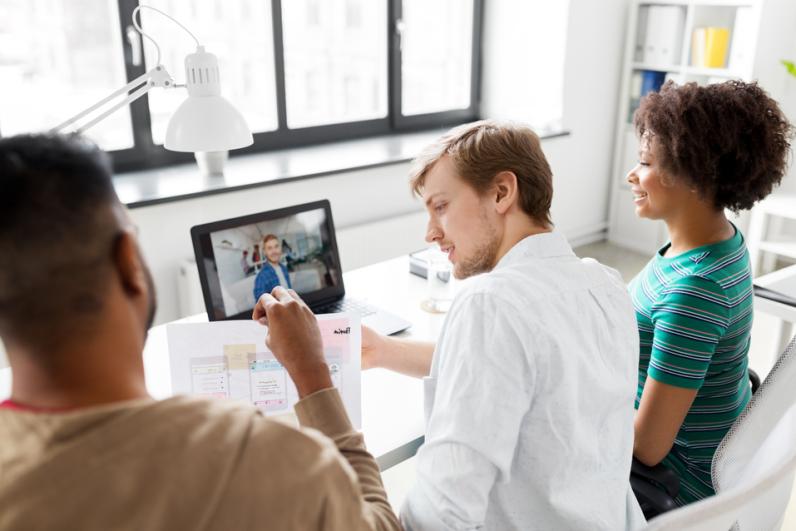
[713,72]
[673,33]
[657,68]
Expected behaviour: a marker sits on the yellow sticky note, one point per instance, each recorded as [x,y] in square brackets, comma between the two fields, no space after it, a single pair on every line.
[238,356]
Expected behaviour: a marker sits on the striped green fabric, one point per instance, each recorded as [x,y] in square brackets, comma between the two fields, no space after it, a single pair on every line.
[694,314]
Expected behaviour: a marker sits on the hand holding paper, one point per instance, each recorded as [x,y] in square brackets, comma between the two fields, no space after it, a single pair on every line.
[294,338]
[230,359]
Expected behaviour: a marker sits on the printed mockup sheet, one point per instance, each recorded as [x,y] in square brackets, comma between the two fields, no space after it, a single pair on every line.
[229,360]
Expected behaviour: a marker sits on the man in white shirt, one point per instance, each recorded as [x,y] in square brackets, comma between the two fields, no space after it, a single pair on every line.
[530,388]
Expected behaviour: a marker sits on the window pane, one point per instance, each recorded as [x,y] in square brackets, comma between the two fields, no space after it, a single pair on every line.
[239,33]
[335,60]
[436,49]
[58,57]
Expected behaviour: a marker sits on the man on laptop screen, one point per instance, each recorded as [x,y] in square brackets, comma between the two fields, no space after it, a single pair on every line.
[273,273]
[293,247]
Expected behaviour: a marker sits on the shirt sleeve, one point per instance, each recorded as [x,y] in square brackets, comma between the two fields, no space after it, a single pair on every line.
[258,287]
[483,390]
[689,319]
[358,501]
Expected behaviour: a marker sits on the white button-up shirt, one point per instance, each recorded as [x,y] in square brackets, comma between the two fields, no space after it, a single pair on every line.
[529,403]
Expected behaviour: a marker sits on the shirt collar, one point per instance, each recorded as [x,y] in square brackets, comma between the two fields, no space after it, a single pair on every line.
[544,245]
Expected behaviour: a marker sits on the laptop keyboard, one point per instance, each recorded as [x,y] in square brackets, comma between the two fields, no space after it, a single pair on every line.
[348,305]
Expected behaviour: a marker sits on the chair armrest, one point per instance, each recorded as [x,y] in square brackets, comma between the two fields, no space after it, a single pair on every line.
[754,379]
[658,475]
[652,500]
[655,488]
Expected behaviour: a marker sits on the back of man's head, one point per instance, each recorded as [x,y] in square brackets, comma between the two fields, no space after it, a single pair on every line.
[481,150]
[58,223]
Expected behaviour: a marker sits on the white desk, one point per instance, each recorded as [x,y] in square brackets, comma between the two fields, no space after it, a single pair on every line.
[392,404]
[784,282]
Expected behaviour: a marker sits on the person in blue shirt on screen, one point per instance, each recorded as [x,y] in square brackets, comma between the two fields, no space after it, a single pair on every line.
[273,272]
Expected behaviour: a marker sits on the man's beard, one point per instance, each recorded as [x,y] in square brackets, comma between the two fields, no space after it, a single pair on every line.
[483,258]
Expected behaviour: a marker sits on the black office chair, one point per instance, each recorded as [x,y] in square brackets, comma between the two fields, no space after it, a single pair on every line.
[656,487]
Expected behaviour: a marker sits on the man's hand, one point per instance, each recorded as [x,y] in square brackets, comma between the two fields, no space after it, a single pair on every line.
[406,356]
[294,338]
[372,348]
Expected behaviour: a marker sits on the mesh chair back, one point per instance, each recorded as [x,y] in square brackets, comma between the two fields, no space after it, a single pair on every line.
[760,441]
[722,511]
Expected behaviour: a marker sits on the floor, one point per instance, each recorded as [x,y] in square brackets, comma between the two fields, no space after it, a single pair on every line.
[398,480]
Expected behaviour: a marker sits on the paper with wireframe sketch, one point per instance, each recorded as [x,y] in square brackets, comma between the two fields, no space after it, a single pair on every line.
[229,360]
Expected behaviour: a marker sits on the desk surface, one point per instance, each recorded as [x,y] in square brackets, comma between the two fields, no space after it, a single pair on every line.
[392,404]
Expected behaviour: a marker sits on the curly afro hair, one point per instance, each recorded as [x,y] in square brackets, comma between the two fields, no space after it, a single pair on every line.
[729,140]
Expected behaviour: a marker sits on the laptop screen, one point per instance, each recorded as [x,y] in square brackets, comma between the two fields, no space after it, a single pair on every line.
[240,259]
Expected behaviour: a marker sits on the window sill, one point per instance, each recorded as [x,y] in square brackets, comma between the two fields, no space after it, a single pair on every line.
[184,181]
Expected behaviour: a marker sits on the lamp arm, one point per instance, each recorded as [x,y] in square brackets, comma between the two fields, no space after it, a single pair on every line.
[129,99]
[156,77]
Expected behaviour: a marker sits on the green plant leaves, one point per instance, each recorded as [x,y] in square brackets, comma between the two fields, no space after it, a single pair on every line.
[790,66]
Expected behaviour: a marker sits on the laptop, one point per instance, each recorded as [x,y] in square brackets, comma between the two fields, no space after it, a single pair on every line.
[243,257]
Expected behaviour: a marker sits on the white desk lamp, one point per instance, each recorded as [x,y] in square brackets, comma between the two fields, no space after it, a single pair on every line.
[204,122]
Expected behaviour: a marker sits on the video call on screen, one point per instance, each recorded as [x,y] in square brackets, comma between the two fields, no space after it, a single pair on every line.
[247,261]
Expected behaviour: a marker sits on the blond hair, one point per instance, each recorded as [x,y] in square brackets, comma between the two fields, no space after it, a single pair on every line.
[480,150]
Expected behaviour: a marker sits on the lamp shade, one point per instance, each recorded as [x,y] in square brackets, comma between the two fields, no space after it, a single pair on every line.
[205,121]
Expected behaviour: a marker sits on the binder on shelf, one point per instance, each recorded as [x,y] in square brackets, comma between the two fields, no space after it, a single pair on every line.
[651,35]
[641,34]
[743,41]
[651,81]
[635,95]
[663,34]
[716,44]
[698,47]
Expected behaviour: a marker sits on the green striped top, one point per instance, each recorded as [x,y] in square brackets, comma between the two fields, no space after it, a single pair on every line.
[694,314]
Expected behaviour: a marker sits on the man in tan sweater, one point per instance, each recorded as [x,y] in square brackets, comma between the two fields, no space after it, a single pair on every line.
[82,445]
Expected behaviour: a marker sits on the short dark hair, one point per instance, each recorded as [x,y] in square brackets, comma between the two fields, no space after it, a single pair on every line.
[57,229]
[730,140]
[480,150]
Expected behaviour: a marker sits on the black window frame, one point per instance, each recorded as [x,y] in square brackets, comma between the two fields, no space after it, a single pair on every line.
[145,154]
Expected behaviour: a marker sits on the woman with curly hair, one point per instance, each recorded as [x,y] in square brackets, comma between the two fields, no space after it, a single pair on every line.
[704,149]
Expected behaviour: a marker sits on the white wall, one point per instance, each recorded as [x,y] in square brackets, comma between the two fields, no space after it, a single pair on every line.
[515,76]
[581,162]
[778,41]
[525,44]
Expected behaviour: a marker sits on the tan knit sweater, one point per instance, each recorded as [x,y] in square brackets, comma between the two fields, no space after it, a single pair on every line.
[187,463]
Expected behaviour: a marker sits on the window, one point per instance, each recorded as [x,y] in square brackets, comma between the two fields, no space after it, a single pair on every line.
[300,71]
[58,57]
[335,61]
[436,47]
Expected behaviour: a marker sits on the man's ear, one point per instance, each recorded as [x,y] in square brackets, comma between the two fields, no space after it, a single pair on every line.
[127,261]
[506,191]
